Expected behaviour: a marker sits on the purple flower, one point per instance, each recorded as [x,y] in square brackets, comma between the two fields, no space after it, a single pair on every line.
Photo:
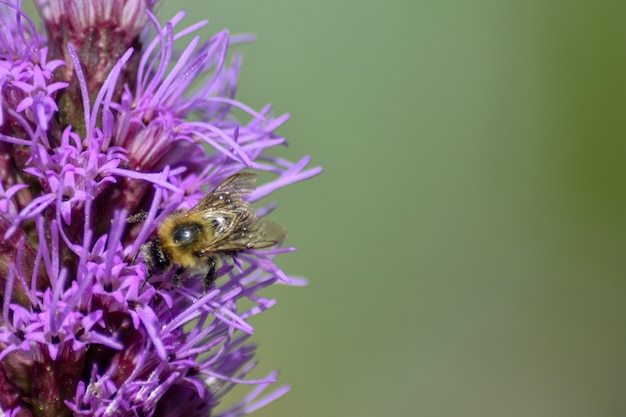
[99,122]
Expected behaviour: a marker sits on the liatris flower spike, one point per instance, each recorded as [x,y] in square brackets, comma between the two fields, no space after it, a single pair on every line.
[100,123]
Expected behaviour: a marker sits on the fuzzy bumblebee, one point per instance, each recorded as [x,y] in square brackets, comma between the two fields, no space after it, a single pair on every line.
[221,224]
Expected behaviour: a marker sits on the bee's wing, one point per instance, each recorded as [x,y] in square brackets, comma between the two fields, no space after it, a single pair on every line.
[244,230]
[267,233]
[251,233]
[256,234]
[228,195]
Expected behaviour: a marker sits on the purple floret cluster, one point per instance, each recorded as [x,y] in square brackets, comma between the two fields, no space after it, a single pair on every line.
[102,118]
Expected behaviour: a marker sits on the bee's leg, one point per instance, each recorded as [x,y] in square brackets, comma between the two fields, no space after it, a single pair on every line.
[137,217]
[140,216]
[145,281]
[210,277]
[176,279]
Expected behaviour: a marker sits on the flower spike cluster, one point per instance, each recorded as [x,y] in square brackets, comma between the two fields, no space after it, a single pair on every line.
[99,121]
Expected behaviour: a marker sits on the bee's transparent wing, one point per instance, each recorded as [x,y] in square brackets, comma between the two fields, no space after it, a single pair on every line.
[251,233]
[265,234]
[228,196]
[240,228]
[256,234]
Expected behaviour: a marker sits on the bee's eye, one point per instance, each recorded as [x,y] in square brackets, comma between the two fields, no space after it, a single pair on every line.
[187,233]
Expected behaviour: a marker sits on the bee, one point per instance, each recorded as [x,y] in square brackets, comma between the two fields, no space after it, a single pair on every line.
[221,224]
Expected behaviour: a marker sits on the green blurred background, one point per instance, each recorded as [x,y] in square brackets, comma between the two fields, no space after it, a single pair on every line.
[465,244]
